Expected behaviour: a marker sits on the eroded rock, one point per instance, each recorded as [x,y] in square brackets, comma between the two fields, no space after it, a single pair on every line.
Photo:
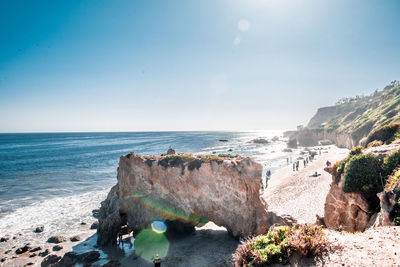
[23,249]
[56,239]
[346,211]
[39,229]
[225,191]
[50,261]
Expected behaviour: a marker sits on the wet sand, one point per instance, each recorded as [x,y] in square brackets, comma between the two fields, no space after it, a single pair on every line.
[297,194]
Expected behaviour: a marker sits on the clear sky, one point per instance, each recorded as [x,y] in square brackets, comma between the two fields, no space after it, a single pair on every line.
[115,65]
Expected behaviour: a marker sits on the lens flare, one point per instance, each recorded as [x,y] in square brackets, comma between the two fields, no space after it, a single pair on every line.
[148,244]
[159,226]
[173,214]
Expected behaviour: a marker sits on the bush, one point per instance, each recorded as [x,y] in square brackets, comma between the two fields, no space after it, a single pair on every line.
[339,166]
[362,174]
[307,240]
[386,133]
[390,162]
[392,180]
[279,243]
[263,249]
[375,143]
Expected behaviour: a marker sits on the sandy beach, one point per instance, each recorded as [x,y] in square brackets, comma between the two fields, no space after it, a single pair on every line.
[299,195]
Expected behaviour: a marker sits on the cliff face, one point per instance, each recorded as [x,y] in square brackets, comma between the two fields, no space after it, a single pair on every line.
[346,211]
[347,123]
[186,191]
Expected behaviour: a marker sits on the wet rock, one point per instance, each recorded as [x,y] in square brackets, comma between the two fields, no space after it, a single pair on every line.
[96,213]
[35,249]
[88,257]
[83,223]
[4,239]
[2,260]
[170,151]
[75,238]
[71,258]
[57,248]
[39,229]
[44,253]
[94,225]
[112,263]
[50,261]
[29,263]
[22,249]
[7,251]
[56,239]
[32,255]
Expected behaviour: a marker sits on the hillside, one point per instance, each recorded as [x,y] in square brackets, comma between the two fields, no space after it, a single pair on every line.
[355,118]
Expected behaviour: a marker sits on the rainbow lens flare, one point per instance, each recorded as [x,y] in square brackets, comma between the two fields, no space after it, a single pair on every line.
[167,211]
[149,243]
[159,226]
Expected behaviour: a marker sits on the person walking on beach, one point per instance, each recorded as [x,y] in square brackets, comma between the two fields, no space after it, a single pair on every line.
[328,163]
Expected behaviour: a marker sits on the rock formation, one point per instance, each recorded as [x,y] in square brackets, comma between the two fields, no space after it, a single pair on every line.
[185,191]
[346,211]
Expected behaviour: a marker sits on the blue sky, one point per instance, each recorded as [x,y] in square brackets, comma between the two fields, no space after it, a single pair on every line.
[189,65]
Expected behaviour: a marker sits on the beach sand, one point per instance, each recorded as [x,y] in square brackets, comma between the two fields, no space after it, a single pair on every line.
[297,194]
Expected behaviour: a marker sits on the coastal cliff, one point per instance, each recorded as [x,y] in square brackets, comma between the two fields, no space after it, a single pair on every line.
[185,191]
[350,122]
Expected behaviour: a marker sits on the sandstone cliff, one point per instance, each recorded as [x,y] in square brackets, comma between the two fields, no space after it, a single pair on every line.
[185,191]
[351,120]
[346,211]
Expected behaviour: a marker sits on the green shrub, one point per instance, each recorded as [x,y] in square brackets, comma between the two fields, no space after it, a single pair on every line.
[277,245]
[307,240]
[340,165]
[392,180]
[390,162]
[375,143]
[362,174]
[386,133]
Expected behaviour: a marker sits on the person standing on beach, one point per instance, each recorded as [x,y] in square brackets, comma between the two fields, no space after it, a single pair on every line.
[304,162]
[294,166]
[297,165]
[287,160]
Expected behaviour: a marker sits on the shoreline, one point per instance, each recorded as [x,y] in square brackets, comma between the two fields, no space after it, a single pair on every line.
[209,241]
[297,194]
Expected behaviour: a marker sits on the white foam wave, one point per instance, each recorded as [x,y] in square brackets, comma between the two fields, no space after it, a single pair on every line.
[59,216]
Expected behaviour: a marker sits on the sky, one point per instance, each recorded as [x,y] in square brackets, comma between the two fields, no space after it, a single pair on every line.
[171,65]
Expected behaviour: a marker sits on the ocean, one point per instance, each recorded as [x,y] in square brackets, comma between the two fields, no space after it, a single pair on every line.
[57,179]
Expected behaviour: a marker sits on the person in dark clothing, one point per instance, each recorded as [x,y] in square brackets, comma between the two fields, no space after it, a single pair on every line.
[294,166]
[157,261]
[120,241]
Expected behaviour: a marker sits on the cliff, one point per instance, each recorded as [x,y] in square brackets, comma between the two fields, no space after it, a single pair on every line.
[350,121]
[184,191]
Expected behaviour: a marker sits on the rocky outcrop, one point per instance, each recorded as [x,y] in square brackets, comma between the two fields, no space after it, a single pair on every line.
[388,199]
[346,211]
[185,191]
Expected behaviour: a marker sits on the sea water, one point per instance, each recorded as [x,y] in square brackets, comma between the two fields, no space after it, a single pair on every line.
[57,179]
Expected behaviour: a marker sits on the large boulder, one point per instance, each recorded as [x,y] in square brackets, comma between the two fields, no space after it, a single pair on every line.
[348,211]
[185,191]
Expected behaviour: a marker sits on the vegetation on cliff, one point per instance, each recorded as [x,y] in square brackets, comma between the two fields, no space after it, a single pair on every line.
[279,243]
[192,161]
[359,116]
[362,174]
